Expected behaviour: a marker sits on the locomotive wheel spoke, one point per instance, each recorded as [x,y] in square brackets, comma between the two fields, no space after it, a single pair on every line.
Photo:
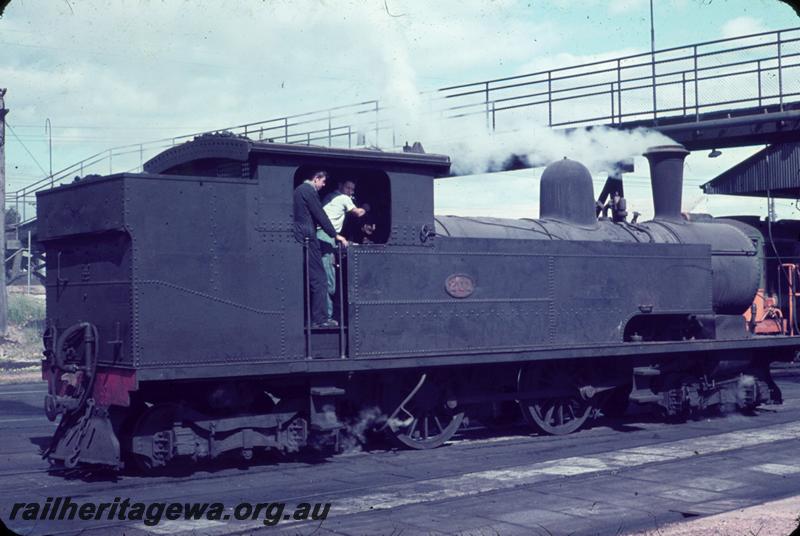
[439,424]
[549,417]
[430,421]
[559,415]
[413,427]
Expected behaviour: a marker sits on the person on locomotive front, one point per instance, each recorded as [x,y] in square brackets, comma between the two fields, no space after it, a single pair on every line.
[337,205]
[308,214]
[618,206]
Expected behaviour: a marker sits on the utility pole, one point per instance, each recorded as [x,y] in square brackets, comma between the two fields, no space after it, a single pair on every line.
[48,129]
[3,294]
[653,59]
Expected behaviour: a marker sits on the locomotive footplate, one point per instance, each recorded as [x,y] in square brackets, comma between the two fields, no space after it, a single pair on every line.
[781,348]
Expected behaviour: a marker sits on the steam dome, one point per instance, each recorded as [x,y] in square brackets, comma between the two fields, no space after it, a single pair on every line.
[566,193]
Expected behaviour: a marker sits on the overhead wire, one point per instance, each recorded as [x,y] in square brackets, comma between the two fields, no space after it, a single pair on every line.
[25,147]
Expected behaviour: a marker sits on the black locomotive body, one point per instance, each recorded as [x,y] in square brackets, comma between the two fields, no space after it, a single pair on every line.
[178,326]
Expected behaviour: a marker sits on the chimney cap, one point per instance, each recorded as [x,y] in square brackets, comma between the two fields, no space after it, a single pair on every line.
[660,149]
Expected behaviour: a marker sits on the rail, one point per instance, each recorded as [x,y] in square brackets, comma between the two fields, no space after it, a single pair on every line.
[757,70]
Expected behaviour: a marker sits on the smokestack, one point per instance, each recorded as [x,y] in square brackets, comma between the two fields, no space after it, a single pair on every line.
[666,179]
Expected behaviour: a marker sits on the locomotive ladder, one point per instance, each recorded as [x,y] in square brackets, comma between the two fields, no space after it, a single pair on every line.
[307,323]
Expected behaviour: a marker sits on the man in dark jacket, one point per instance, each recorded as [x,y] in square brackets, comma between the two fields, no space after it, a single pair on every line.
[308,214]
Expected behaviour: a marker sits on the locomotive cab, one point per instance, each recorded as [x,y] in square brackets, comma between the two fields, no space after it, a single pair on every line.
[373,187]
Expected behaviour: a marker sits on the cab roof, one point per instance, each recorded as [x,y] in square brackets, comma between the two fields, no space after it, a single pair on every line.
[239,148]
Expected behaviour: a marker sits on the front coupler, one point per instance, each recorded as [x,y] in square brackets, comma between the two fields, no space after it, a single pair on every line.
[85,433]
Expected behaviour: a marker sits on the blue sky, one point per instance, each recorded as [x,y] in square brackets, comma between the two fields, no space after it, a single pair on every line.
[109,73]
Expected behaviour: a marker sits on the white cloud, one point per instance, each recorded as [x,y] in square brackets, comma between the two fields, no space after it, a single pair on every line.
[625,6]
[110,74]
[567,59]
[742,26]
[211,63]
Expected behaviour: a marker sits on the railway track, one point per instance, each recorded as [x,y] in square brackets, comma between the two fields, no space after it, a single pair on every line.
[482,476]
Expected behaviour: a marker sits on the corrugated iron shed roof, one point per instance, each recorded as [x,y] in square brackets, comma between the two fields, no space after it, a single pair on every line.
[775,169]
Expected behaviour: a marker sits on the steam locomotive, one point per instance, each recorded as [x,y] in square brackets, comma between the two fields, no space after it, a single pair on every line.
[178,326]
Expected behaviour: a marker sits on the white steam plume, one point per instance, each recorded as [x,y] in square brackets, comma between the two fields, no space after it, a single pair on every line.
[474,149]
